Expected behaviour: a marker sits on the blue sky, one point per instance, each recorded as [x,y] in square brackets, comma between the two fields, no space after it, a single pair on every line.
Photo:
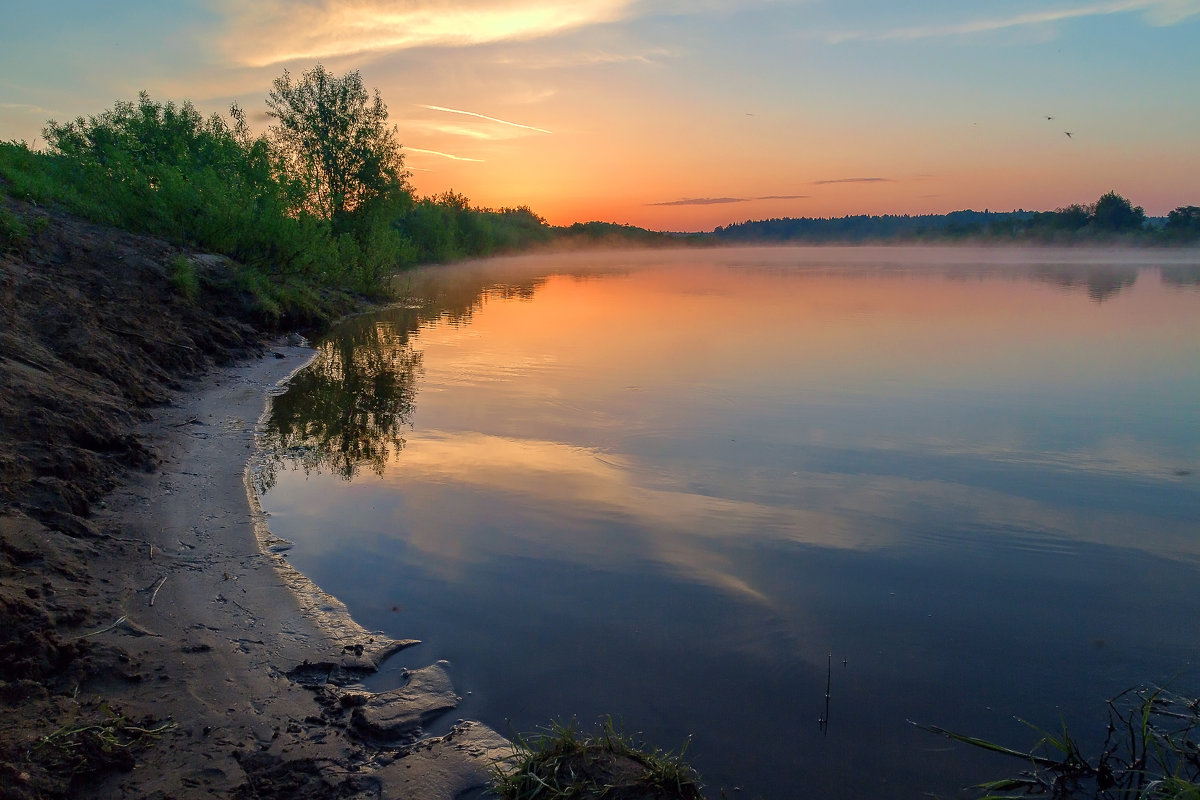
[681,115]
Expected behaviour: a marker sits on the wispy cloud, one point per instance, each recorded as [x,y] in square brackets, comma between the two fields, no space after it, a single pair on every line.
[443,155]
[716,201]
[700,201]
[588,58]
[484,116]
[853,180]
[270,32]
[1155,12]
[26,108]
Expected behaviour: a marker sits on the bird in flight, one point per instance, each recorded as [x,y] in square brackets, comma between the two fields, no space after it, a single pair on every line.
[1049,117]
[1068,133]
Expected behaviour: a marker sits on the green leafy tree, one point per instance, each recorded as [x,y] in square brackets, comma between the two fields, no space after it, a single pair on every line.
[1114,213]
[335,142]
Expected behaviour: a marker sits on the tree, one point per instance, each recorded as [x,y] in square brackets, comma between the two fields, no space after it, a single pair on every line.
[335,141]
[1114,213]
[1183,223]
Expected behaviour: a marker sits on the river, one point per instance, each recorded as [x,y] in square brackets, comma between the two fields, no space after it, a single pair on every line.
[692,489]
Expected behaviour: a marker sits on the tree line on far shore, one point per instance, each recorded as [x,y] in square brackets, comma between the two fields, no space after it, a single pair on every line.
[320,205]
[1112,218]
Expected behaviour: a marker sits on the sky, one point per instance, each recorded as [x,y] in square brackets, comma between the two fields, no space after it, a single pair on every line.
[679,114]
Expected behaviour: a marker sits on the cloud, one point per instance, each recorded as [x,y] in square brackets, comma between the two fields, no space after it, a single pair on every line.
[853,180]
[697,7]
[26,108]
[716,201]
[1171,12]
[1155,12]
[483,116]
[270,32]
[701,201]
[588,58]
[443,155]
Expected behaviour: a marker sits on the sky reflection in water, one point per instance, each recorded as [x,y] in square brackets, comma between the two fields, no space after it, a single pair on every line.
[668,485]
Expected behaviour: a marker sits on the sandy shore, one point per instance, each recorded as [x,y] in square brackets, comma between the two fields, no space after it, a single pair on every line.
[253,664]
[154,641]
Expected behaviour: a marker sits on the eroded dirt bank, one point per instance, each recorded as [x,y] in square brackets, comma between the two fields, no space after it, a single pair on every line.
[149,647]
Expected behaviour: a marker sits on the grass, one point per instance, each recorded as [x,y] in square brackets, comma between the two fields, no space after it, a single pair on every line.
[1151,751]
[13,230]
[88,749]
[566,763]
[184,279]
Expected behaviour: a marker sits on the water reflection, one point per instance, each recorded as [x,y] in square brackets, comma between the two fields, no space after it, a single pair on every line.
[453,296]
[667,485]
[1101,282]
[350,407]
[1182,275]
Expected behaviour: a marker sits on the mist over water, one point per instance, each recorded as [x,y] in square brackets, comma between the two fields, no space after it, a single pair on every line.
[684,487]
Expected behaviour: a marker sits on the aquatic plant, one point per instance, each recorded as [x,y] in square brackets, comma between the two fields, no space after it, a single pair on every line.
[1151,752]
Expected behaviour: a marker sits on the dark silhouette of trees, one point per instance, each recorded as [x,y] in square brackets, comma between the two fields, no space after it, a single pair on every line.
[1112,217]
[888,227]
[1183,224]
[1116,214]
[1062,220]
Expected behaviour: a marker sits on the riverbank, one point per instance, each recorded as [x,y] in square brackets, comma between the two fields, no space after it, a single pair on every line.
[155,642]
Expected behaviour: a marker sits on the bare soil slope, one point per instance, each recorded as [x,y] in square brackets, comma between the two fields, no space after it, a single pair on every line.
[93,338]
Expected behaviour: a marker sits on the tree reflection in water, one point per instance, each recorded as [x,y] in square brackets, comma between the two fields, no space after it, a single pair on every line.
[349,408]
[1101,282]
[1181,275]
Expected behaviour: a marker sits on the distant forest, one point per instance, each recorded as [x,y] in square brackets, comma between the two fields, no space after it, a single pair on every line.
[1111,218]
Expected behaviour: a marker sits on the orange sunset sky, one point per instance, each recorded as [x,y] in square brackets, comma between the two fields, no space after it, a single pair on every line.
[680,115]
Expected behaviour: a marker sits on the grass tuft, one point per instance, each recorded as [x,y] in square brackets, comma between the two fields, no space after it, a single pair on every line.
[13,231]
[184,279]
[566,763]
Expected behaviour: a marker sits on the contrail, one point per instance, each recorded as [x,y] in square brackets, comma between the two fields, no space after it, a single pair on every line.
[443,155]
[484,116]
[853,180]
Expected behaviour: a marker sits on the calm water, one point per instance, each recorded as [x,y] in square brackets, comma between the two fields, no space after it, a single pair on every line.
[682,487]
